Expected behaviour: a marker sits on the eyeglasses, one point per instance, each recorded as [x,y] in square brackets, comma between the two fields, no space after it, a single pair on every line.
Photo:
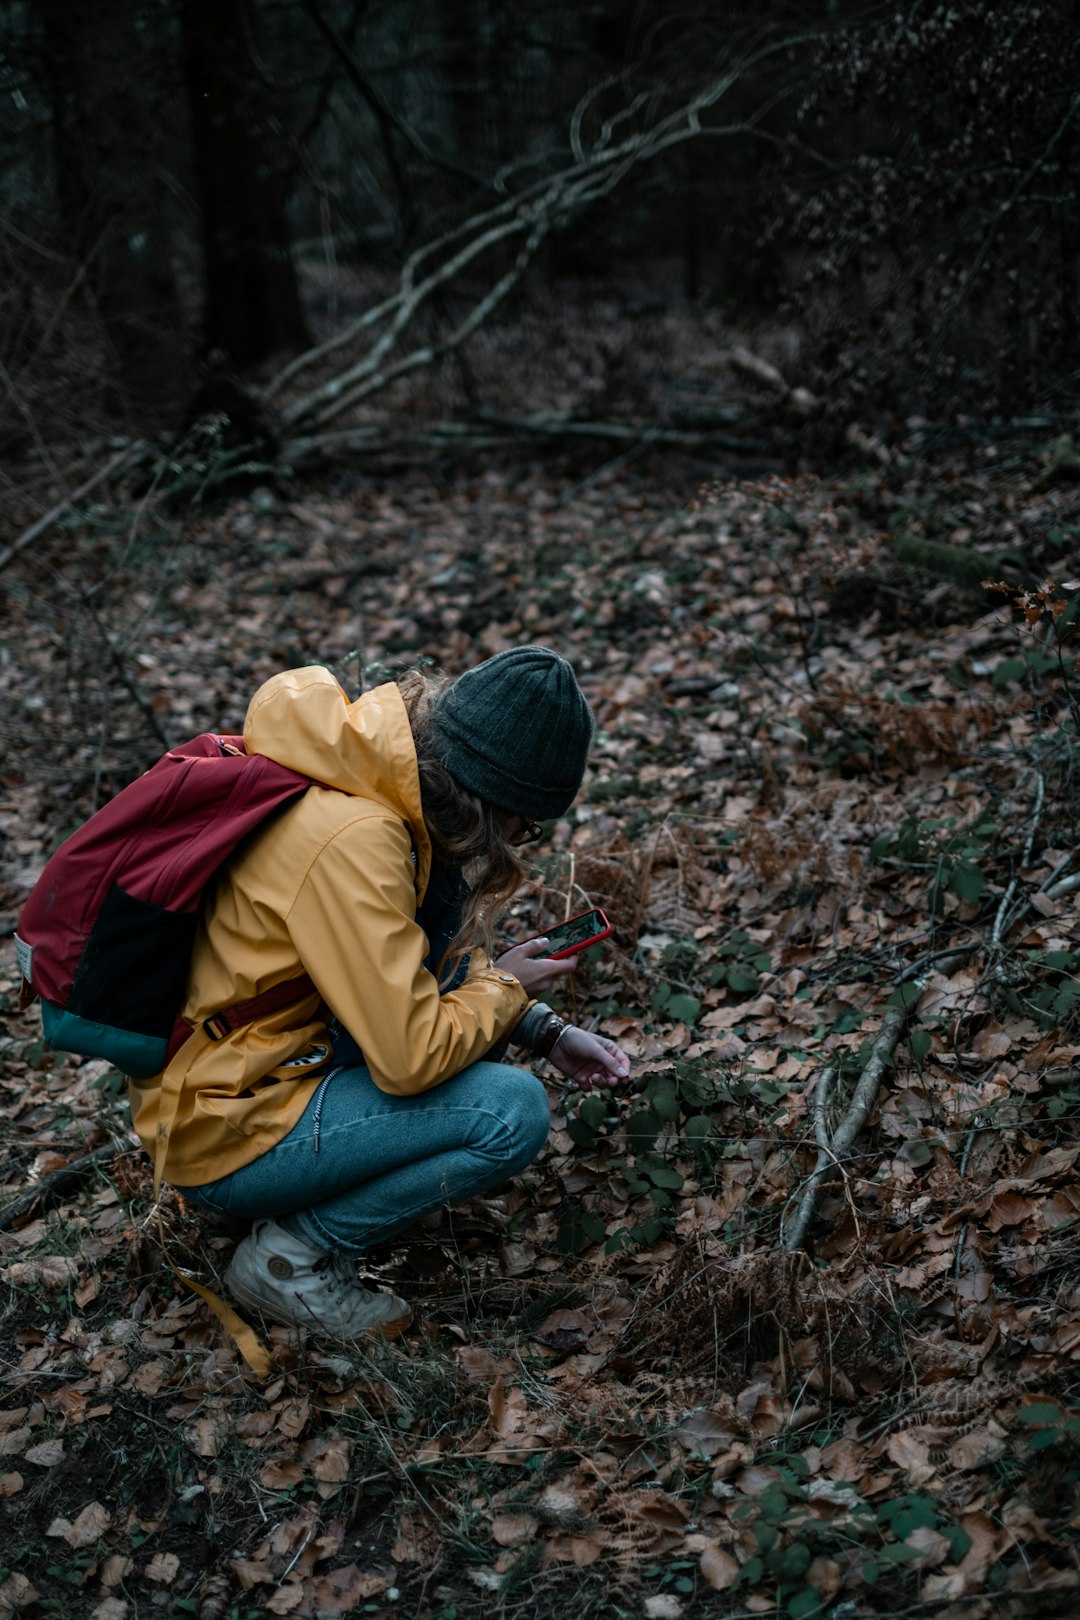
[529,833]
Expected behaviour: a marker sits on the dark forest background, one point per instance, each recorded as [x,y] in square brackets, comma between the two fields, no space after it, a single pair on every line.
[786,223]
[732,351]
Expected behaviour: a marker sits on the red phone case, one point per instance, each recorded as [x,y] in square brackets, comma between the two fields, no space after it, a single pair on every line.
[583,944]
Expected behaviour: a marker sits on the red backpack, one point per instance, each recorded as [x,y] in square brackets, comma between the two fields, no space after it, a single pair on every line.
[105,938]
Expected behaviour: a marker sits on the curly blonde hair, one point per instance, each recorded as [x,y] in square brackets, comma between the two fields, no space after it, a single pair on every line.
[465,831]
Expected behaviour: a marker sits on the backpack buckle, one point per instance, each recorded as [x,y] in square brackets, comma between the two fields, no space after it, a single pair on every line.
[217,1026]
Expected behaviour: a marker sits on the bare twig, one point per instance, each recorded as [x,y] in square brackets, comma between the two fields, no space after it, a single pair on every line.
[833,1146]
[485,430]
[530,214]
[28,536]
[1000,925]
[50,1187]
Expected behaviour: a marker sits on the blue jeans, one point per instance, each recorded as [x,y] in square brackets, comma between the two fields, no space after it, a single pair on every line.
[360,1166]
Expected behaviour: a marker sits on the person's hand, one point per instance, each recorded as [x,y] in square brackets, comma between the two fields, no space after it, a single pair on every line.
[532,969]
[589,1060]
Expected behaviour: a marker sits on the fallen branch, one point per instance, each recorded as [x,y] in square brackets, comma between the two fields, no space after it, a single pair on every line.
[28,536]
[486,431]
[528,216]
[51,1187]
[834,1146]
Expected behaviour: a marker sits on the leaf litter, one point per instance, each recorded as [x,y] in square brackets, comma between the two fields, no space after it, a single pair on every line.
[821,781]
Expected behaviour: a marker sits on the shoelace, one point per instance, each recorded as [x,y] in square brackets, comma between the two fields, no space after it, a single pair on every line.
[337,1269]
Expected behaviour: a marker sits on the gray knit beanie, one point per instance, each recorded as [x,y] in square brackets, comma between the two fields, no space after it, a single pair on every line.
[516,731]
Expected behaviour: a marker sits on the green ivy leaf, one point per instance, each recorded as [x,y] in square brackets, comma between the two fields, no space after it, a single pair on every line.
[593,1111]
[580,1132]
[742,979]
[660,1174]
[684,1008]
[664,1100]
[908,1513]
[1009,669]
[805,1603]
[642,1129]
[795,1563]
[920,1042]
[966,880]
[1039,1412]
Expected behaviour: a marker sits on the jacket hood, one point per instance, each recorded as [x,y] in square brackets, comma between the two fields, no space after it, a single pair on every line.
[303,719]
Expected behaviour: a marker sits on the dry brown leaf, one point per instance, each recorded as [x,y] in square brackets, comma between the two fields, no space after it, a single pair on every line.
[478,1363]
[757,1480]
[938,1588]
[509,1529]
[719,1568]
[987,1546]
[912,1455]
[88,1290]
[824,1575]
[162,1568]
[975,1449]
[149,1378]
[414,1540]
[341,1590]
[204,1436]
[253,1425]
[292,1419]
[91,1523]
[327,1458]
[70,1402]
[290,1535]
[992,1042]
[52,1271]
[46,1454]
[706,1433]
[508,1410]
[251,1572]
[10,1484]
[1066,1341]
[14,1443]
[281,1472]
[116,1568]
[662,1606]
[930,1547]
[1009,1209]
[565,1329]
[581,1551]
[111,1608]
[286,1598]
[16,1593]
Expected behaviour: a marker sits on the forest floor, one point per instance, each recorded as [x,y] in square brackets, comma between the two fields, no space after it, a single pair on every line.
[832,814]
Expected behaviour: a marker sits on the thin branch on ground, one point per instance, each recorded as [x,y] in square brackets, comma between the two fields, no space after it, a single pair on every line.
[549,204]
[122,460]
[833,1146]
[64,1180]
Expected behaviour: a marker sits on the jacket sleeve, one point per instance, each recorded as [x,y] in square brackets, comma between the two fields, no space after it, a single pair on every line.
[353,923]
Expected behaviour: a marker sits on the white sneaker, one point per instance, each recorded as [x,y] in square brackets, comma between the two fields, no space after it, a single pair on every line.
[284,1279]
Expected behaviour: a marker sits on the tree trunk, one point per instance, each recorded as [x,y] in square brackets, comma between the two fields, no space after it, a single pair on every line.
[99,74]
[253,308]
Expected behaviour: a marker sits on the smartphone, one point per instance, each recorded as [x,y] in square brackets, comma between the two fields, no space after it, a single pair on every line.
[578,934]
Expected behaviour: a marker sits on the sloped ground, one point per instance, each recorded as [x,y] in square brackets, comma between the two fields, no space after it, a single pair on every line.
[830,794]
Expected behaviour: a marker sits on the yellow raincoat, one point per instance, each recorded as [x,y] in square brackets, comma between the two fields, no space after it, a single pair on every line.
[329,886]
